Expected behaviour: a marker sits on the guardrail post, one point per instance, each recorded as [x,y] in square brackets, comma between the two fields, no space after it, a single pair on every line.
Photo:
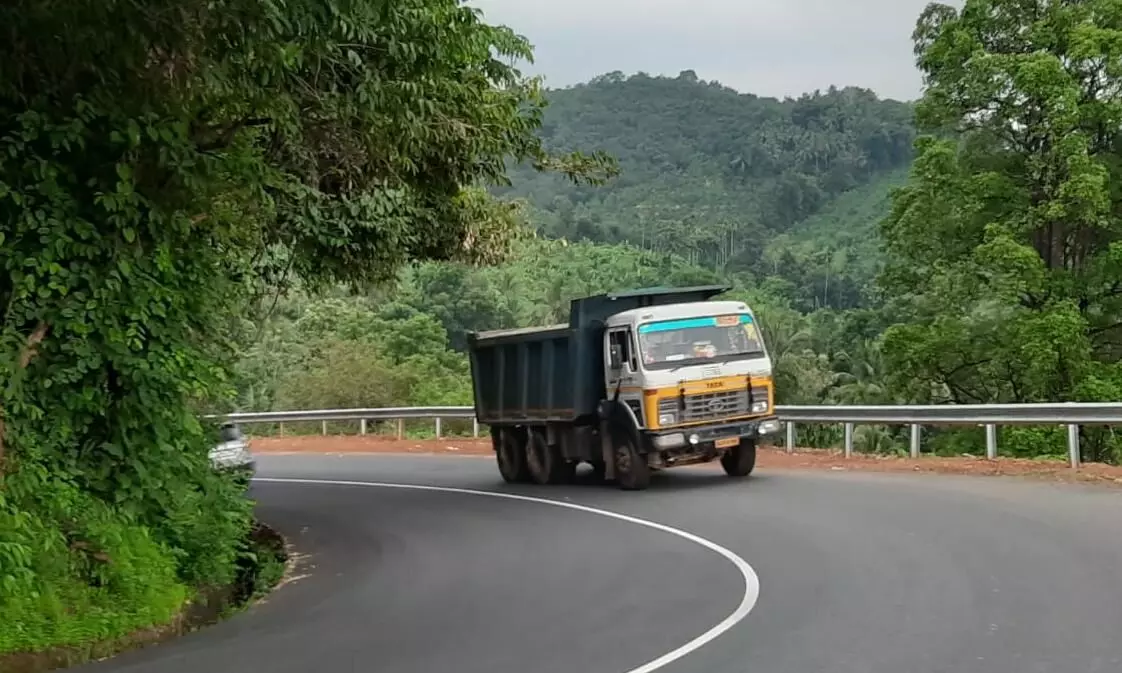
[438,427]
[362,426]
[400,429]
[991,442]
[475,428]
[323,427]
[790,437]
[848,440]
[915,441]
[1073,446]
[280,429]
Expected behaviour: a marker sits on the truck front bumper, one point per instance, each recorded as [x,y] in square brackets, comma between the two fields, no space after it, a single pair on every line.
[705,435]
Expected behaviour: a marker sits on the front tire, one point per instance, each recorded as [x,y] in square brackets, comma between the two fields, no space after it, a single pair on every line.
[740,460]
[510,452]
[632,471]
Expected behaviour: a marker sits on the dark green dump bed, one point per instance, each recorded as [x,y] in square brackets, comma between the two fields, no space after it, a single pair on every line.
[524,374]
[556,373]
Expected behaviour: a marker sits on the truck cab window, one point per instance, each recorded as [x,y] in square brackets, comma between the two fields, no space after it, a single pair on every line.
[622,339]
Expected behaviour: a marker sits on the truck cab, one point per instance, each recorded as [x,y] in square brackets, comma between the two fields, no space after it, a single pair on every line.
[695,376]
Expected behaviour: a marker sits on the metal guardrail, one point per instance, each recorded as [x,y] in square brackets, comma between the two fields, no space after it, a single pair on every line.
[1069,414]
[379,414]
[1060,413]
[323,416]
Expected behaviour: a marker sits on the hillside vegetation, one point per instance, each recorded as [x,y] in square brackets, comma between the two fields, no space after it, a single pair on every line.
[717,177]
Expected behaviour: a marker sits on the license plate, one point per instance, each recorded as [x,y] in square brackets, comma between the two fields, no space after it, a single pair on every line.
[726,442]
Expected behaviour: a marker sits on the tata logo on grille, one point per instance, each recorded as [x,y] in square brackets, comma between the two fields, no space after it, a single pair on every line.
[716,406]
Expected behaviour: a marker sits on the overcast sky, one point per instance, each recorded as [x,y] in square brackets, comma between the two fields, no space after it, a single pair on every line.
[767,47]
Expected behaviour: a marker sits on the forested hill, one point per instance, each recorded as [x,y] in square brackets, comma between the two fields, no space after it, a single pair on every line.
[713,174]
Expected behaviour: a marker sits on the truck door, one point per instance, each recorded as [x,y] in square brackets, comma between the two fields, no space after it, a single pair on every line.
[627,376]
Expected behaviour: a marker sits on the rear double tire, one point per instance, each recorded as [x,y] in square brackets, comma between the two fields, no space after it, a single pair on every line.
[510,453]
[740,460]
[545,463]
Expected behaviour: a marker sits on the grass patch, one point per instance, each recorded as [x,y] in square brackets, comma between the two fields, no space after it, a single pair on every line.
[171,611]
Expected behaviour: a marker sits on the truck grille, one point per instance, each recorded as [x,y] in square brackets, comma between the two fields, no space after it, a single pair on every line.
[712,406]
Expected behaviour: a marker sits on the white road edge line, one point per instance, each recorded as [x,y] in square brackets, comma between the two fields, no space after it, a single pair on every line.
[751,580]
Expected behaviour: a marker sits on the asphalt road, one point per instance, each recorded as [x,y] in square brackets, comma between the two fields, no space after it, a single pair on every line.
[858,573]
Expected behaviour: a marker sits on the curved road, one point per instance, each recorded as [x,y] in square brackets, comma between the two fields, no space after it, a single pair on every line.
[858,573]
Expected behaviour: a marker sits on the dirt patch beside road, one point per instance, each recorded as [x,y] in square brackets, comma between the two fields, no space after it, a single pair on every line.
[369,444]
[769,457]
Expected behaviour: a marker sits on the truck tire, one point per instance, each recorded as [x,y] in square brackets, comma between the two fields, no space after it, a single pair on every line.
[545,463]
[740,460]
[510,452]
[632,471]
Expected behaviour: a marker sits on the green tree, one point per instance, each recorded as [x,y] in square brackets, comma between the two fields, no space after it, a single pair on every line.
[1005,248]
[160,163]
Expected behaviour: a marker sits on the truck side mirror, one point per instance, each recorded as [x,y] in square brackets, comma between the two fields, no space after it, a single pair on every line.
[615,357]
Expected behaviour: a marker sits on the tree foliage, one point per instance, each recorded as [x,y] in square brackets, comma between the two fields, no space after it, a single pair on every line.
[161,164]
[1005,248]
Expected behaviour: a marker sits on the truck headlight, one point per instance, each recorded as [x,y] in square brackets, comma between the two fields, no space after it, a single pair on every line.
[666,419]
[759,407]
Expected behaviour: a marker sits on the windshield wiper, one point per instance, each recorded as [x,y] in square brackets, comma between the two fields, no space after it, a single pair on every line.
[685,363]
[725,357]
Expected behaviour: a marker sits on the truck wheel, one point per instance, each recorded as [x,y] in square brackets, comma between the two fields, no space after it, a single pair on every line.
[632,471]
[510,452]
[740,460]
[546,464]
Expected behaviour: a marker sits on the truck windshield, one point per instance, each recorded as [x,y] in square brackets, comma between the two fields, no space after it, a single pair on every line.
[672,343]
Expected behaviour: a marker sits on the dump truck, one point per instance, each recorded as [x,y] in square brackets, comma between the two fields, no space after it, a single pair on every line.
[637,381]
